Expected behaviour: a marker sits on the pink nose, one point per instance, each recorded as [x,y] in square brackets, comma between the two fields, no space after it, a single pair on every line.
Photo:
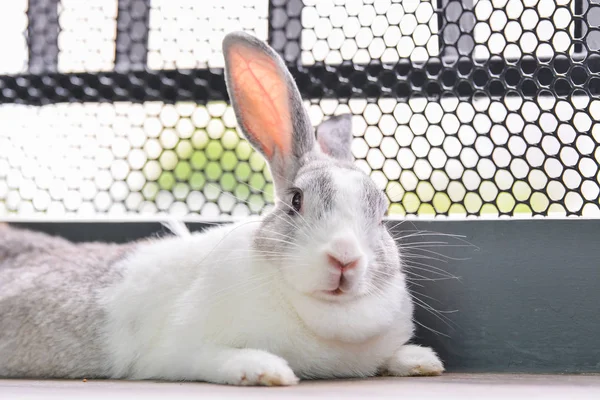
[342,266]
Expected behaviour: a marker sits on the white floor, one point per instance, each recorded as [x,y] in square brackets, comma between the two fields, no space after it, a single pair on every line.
[449,386]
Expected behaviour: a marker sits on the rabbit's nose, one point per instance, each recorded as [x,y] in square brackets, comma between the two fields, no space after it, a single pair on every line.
[341,265]
[343,254]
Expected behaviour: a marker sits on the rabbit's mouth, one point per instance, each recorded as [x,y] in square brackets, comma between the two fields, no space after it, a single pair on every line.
[338,295]
[343,288]
[333,296]
[335,292]
[340,284]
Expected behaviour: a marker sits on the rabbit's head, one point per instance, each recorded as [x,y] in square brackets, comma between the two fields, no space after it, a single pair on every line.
[325,234]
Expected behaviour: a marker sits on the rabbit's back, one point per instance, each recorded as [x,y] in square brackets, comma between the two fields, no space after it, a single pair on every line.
[49,314]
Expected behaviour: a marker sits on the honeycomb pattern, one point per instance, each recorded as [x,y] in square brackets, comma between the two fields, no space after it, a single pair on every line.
[127,158]
[460,107]
[482,157]
[285,28]
[184,35]
[86,41]
[363,30]
[13,28]
[132,35]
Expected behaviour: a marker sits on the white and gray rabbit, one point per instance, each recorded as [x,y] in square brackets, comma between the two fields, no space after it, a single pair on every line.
[315,289]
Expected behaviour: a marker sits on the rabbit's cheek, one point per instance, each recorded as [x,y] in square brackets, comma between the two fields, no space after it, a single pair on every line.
[305,279]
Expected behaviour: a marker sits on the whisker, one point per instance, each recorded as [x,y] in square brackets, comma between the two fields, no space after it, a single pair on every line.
[397,225]
[295,211]
[415,243]
[279,240]
[430,329]
[293,225]
[431,268]
[411,283]
[447,321]
[424,232]
[379,274]
[426,296]
[409,255]
[426,307]
[426,245]
[419,278]
[410,274]
[277,233]
[437,311]
[460,238]
[440,254]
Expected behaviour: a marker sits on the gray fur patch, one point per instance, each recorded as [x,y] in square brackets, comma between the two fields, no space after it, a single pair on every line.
[50,319]
[319,183]
[335,137]
[374,199]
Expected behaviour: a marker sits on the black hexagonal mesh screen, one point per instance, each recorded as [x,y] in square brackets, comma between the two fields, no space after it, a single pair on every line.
[461,107]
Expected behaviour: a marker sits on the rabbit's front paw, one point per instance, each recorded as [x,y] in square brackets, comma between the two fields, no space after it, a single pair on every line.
[258,368]
[413,360]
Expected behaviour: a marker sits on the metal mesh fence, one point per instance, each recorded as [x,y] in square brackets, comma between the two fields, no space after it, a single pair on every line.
[460,107]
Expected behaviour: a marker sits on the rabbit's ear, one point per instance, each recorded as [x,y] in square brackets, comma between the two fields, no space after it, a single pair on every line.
[335,137]
[267,104]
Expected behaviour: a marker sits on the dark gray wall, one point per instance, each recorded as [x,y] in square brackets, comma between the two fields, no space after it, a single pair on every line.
[528,297]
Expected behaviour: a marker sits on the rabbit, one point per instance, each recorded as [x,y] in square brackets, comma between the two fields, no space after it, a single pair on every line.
[315,289]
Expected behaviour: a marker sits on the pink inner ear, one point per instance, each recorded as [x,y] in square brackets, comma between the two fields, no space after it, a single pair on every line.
[262,97]
[323,145]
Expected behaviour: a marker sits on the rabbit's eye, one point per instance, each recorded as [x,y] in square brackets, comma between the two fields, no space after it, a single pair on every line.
[297,201]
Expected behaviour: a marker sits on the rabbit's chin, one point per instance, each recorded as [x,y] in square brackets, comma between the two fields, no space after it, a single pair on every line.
[351,317]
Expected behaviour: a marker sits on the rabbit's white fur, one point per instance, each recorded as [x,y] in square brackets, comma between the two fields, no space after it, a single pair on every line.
[216,310]
[315,289]
[211,312]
